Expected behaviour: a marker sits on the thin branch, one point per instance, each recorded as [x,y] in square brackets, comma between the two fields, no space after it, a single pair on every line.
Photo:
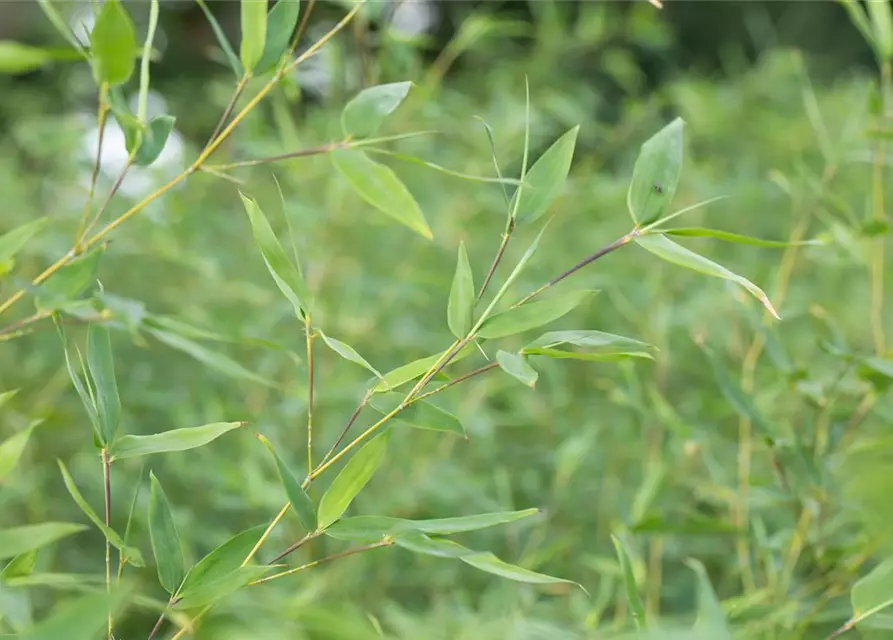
[157,626]
[347,427]
[227,112]
[499,253]
[297,545]
[219,174]
[309,565]
[108,198]
[462,378]
[309,332]
[94,176]
[107,491]
[301,153]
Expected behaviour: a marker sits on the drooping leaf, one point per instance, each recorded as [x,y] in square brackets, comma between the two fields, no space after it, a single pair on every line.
[629,582]
[288,277]
[656,174]
[546,177]
[298,499]
[372,528]
[69,282]
[366,111]
[460,309]
[348,353]
[113,44]
[710,614]
[155,135]
[131,554]
[420,414]
[15,239]
[102,370]
[220,562]
[517,366]
[351,480]
[222,40]
[415,369]
[81,619]
[379,186]
[131,446]
[84,394]
[281,23]
[531,315]
[215,590]
[700,232]
[18,540]
[254,32]
[165,539]
[666,249]
[12,448]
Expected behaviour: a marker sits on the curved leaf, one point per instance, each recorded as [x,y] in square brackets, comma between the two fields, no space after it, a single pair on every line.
[460,309]
[155,135]
[699,232]
[18,540]
[531,315]
[281,23]
[366,111]
[516,365]
[297,497]
[629,582]
[15,239]
[12,448]
[372,528]
[545,179]
[169,441]
[165,539]
[351,480]
[102,369]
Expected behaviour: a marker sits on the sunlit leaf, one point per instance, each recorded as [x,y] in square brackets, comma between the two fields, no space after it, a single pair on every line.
[131,446]
[546,178]
[298,499]
[102,370]
[460,309]
[664,248]
[351,480]
[629,582]
[254,32]
[379,186]
[281,23]
[165,539]
[12,448]
[517,366]
[113,44]
[366,111]
[656,174]
[531,315]
[220,562]
[420,414]
[348,353]
[18,540]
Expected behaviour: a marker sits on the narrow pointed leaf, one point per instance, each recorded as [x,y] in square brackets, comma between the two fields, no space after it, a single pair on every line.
[143,97]
[20,566]
[12,448]
[130,446]
[629,582]
[666,249]
[222,40]
[348,353]
[379,186]
[882,21]
[61,26]
[220,562]
[609,356]
[216,590]
[14,240]
[18,540]
[351,480]
[165,539]
[366,111]
[699,232]
[113,44]
[287,276]
[254,32]
[418,542]
[69,282]
[656,174]
[372,528]
[298,499]
[546,178]
[102,369]
[873,592]
[531,315]
[460,309]
[85,396]
[131,554]
[281,22]
[415,369]
[517,366]
[420,414]
[81,619]
[710,614]
[600,340]
[155,135]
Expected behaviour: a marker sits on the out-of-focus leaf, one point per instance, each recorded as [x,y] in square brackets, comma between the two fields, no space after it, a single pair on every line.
[254,32]
[420,413]
[460,309]
[11,449]
[130,446]
[629,582]
[18,540]
[297,497]
[113,44]
[873,593]
[222,40]
[517,366]
[101,364]
[348,353]
[710,613]
[656,174]
[155,135]
[408,372]
[165,539]
[366,111]
[220,562]
[82,619]
[15,239]
[69,282]
[351,480]
[20,566]
[545,179]
[699,232]
[531,315]
[281,23]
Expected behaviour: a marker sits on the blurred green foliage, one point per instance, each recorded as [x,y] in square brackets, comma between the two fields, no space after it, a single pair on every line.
[665,454]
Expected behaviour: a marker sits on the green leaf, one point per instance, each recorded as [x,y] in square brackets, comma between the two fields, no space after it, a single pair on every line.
[668,250]
[169,441]
[372,528]
[420,414]
[69,282]
[600,340]
[131,125]
[546,177]
[366,112]
[6,396]
[14,240]
[165,540]
[873,592]
[221,39]
[515,273]
[629,582]
[351,480]
[56,19]
[85,395]
[418,542]
[348,353]
[12,448]
[210,358]
[143,98]
[254,33]
[460,309]
[297,497]
[218,589]
[102,370]
[286,275]
[878,370]
[860,20]
[155,136]
[220,562]
[20,566]
[281,23]
[379,186]
[131,554]
[408,372]
[517,366]
[611,356]
[656,174]
[699,232]
[882,21]
[710,614]
[18,540]
[16,57]
[113,44]
[81,619]
[531,315]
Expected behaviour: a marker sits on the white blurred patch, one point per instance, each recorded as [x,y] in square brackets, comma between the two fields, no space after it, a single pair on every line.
[413,17]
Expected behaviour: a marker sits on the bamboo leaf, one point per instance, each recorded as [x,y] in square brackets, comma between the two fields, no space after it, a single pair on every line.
[165,539]
[12,448]
[18,540]
[254,32]
[15,239]
[710,614]
[460,309]
[81,619]
[408,372]
[517,366]
[222,40]
[154,137]
[218,589]
[656,174]
[102,370]
[297,497]
[113,44]
[348,353]
[420,414]
[367,111]
[698,232]
[546,178]
[629,582]
[351,480]
[372,528]
[281,23]
[531,315]
[130,446]
[220,562]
